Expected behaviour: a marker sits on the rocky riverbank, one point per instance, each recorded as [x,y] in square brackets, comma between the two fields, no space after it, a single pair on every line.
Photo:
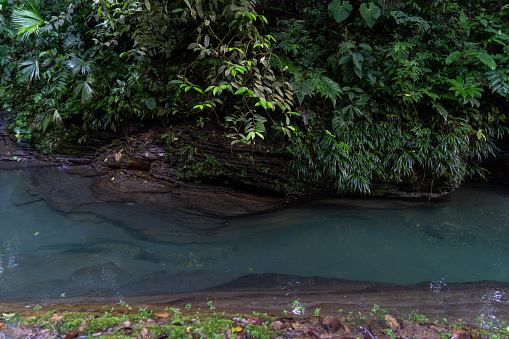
[185,168]
[273,306]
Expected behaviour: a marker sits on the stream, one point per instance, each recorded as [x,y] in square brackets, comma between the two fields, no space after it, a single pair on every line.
[120,249]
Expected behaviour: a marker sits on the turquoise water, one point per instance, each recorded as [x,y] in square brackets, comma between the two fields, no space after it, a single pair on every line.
[88,251]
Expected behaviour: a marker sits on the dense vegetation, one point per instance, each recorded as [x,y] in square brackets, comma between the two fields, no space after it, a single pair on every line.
[359,91]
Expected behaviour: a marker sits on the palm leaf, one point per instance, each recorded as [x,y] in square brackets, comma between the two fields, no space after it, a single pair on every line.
[28,20]
[79,65]
[30,70]
[84,89]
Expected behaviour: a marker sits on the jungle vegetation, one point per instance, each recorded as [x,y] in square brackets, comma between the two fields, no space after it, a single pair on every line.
[357,91]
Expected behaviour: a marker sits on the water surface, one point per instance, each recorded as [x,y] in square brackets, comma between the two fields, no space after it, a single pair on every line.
[95,249]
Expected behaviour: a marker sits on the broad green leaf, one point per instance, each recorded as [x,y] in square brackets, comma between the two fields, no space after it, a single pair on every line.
[340,10]
[241,90]
[358,59]
[344,59]
[453,57]
[150,103]
[371,76]
[370,13]
[487,59]
[346,45]
[367,48]
[358,71]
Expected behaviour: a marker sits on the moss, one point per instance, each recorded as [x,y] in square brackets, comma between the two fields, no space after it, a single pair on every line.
[176,323]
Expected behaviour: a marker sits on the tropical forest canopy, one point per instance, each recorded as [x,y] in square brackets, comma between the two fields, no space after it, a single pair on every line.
[357,91]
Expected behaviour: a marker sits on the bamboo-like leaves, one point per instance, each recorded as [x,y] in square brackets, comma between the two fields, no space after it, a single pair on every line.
[27,20]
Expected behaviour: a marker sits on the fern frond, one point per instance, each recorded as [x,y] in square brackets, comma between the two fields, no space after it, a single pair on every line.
[60,81]
[497,81]
[302,87]
[326,87]
[403,18]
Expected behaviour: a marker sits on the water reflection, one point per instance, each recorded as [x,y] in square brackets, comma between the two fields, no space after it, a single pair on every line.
[95,248]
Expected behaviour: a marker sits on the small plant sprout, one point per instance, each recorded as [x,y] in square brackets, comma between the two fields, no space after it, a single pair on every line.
[188,307]
[124,304]
[209,304]
[285,312]
[297,308]
[317,311]
[384,312]
[37,307]
[144,313]
[62,295]
[256,314]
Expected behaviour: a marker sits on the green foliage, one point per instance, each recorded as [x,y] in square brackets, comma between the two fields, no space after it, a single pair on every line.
[370,12]
[340,10]
[366,92]
[29,20]
[411,103]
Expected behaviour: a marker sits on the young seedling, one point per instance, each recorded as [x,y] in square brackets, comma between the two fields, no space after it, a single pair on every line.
[298,308]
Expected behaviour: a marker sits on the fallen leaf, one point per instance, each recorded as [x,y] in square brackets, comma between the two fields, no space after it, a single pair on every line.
[56,317]
[2,325]
[36,233]
[71,335]
[237,329]
[163,315]
[336,325]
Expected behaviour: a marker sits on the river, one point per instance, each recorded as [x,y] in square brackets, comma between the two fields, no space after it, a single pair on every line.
[124,249]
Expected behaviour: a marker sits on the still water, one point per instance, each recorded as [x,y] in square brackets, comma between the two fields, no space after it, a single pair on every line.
[45,252]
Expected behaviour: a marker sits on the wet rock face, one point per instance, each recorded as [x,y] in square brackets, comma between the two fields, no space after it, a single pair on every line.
[194,170]
[143,205]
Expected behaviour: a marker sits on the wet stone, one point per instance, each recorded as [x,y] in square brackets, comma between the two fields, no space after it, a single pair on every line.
[278,325]
[392,322]
[460,335]
[336,325]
